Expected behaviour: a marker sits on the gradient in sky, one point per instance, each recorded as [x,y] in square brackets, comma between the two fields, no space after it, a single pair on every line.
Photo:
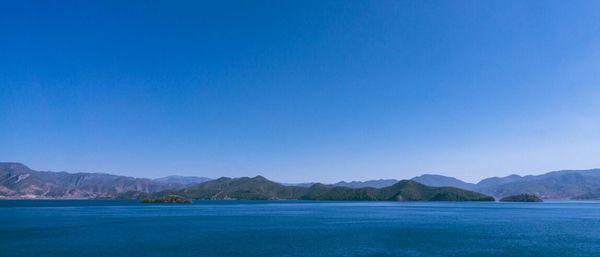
[301,90]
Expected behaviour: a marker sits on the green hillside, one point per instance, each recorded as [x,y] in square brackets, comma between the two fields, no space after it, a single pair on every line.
[260,188]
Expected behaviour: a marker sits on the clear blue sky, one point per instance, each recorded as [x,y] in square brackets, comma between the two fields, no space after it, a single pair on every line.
[301,91]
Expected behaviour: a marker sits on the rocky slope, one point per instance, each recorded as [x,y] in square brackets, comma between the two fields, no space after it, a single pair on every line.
[17,181]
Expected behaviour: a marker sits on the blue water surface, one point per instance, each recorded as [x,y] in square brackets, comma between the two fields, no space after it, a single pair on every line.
[298,228]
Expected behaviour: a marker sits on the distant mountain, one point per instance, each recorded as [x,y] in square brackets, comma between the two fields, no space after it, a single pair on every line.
[183,180]
[17,181]
[260,188]
[593,195]
[443,181]
[304,184]
[566,184]
[369,183]
[495,181]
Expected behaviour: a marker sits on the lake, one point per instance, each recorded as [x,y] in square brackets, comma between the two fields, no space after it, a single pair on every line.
[298,228]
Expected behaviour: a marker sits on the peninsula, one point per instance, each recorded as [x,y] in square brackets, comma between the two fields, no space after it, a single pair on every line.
[521,198]
[167,199]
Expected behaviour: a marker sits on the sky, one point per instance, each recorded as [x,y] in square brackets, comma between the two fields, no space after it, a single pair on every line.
[301,91]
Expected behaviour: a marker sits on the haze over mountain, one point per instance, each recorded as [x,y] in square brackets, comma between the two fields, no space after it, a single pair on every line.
[379,183]
[17,181]
[440,180]
[426,179]
[565,184]
[184,180]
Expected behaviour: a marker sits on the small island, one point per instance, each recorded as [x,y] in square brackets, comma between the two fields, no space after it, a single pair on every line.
[522,198]
[167,199]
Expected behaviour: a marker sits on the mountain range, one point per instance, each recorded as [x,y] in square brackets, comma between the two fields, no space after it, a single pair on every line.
[260,188]
[17,181]
[565,184]
[560,185]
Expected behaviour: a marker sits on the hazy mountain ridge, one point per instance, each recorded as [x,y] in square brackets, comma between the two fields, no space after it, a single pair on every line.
[301,184]
[18,181]
[183,180]
[378,183]
[564,184]
[440,181]
[260,188]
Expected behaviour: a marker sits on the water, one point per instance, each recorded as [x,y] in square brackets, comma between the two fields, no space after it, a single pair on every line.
[296,228]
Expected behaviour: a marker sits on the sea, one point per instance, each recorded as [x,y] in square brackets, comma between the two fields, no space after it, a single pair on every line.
[112,228]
